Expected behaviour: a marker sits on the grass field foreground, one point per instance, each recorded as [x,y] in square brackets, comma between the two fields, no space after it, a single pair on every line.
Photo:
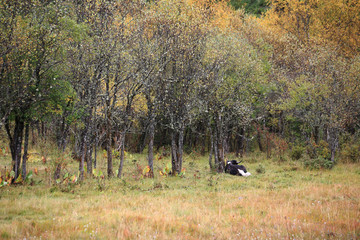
[284,202]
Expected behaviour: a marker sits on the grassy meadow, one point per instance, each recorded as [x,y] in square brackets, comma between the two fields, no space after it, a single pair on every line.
[281,200]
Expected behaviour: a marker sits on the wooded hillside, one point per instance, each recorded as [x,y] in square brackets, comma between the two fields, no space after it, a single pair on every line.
[175,77]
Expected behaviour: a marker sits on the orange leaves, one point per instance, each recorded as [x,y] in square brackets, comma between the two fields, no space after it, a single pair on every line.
[147,172]
[142,172]
[204,14]
[223,14]
[328,22]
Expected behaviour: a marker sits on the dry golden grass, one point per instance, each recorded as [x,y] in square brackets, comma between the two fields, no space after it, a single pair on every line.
[285,202]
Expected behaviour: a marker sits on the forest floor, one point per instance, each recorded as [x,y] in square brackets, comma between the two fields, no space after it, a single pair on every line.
[280,200]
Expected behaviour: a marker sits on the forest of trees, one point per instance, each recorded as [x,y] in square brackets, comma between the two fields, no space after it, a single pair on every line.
[180,75]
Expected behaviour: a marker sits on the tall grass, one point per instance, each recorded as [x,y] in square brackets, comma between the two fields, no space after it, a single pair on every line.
[285,201]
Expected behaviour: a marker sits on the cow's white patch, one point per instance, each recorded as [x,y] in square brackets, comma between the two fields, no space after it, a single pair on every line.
[247,174]
[242,173]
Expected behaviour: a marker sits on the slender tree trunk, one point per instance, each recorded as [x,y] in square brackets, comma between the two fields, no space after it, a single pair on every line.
[95,154]
[281,123]
[108,148]
[26,144]
[96,145]
[61,141]
[38,129]
[216,153]
[316,134]
[33,137]
[89,159]
[43,129]
[18,145]
[268,146]
[151,132]
[173,152]
[221,150]
[82,159]
[142,142]
[211,151]
[151,146]
[15,143]
[122,153]
[180,150]
[258,137]
[84,145]
[333,141]
[203,144]
[224,147]
[219,146]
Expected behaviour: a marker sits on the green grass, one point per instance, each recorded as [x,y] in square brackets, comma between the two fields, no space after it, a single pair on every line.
[284,202]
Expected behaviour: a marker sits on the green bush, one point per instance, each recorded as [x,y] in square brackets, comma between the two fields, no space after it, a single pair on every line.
[323,150]
[297,152]
[320,150]
[318,163]
[351,153]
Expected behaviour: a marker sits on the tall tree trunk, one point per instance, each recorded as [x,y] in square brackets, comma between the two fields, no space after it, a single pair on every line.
[108,147]
[316,134]
[173,152]
[333,141]
[26,144]
[18,145]
[258,137]
[219,145]
[43,130]
[95,153]
[84,145]
[96,145]
[221,150]
[15,142]
[38,128]
[151,146]
[216,154]
[33,137]
[82,159]
[151,132]
[89,159]
[142,142]
[268,146]
[62,134]
[203,144]
[122,153]
[281,123]
[180,149]
[211,151]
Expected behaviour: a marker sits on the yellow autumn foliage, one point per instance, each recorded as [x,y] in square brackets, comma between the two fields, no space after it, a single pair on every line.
[327,22]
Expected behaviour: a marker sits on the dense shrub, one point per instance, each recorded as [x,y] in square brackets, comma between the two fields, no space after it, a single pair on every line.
[318,163]
[297,152]
[320,150]
[351,153]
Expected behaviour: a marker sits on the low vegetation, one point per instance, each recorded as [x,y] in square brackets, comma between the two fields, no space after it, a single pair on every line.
[279,201]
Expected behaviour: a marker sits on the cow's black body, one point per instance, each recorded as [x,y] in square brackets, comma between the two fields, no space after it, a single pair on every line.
[232,167]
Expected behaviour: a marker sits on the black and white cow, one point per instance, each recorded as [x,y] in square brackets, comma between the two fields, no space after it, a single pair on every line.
[232,167]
